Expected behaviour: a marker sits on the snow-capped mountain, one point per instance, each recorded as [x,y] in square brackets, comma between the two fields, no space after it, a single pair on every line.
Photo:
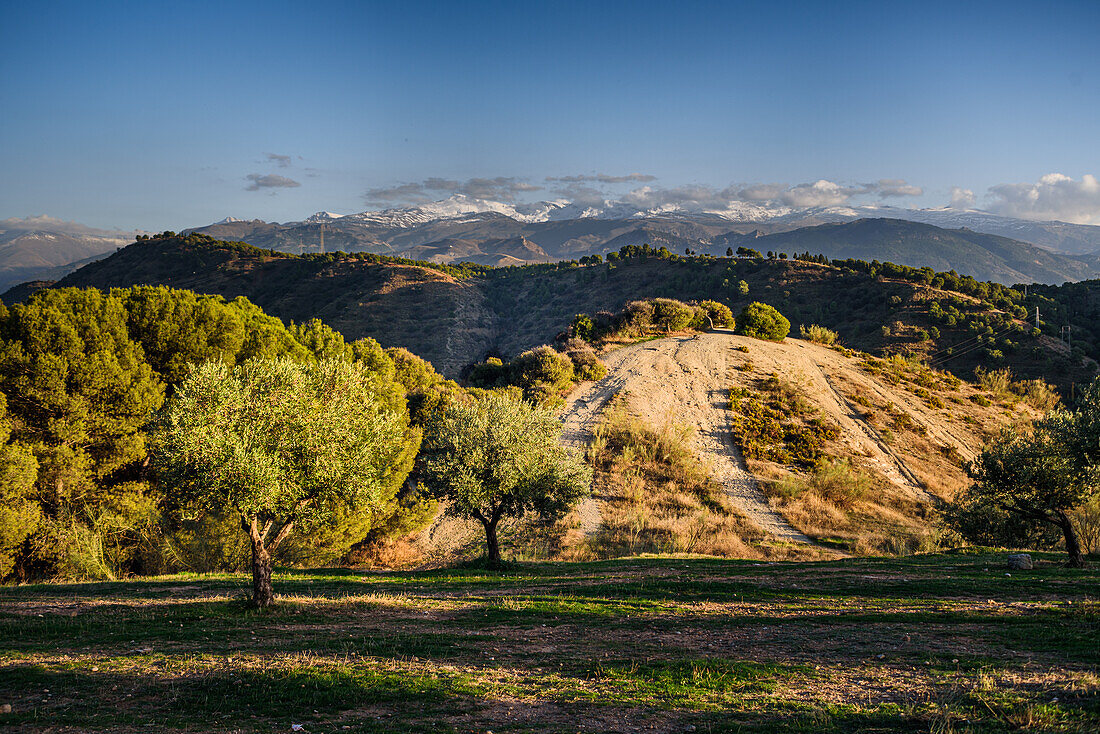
[464,228]
[1057,236]
[43,247]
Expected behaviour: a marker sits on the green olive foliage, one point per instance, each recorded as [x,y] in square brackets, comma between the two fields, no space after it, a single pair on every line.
[282,444]
[719,313]
[493,458]
[81,373]
[1027,485]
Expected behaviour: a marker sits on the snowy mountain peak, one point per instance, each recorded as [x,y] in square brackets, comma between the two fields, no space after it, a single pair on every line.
[324,217]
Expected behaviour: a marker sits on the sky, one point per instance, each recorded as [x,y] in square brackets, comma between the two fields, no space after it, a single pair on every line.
[165,115]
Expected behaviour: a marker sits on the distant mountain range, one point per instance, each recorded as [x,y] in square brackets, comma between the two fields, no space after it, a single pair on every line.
[489,233]
[971,242]
[44,248]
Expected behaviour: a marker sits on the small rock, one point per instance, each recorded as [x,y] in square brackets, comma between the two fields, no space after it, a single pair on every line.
[5,709]
[1020,561]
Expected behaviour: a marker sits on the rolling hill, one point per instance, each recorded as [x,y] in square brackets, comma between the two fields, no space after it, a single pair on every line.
[456,316]
[983,256]
[493,238]
[44,248]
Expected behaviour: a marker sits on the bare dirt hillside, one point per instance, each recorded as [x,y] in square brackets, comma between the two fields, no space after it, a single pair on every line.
[682,380]
[906,428]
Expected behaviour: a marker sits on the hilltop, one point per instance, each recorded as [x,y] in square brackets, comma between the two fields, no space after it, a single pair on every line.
[499,238]
[454,316]
[983,256]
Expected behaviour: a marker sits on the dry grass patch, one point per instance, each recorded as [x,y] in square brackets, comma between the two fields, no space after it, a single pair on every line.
[658,495]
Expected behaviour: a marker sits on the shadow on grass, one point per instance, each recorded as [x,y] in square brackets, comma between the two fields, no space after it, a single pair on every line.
[354,697]
[959,574]
[80,697]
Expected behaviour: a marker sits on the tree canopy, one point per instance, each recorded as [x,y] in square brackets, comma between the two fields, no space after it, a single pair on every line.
[1026,484]
[281,443]
[81,373]
[493,458]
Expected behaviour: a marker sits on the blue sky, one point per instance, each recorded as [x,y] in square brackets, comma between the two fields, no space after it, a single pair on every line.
[154,115]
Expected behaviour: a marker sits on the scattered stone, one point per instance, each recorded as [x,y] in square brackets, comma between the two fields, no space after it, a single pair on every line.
[5,709]
[1020,561]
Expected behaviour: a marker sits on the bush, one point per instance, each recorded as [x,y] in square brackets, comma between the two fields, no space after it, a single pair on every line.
[761,321]
[638,316]
[586,365]
[541,373]
[671,315]
[719,313]
[818,334]
[487,374]
[1039,394]
[583,327]
[836,481]
[778,425]
[998,382]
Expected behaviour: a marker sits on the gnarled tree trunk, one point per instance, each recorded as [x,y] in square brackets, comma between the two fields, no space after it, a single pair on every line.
[263,593]
[1073,545]
[492,544]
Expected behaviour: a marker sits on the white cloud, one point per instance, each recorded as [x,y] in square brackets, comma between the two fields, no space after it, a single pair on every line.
[269,181]
[51,224]
[501,188]
[1054,196]
[961,198]
[819,193]
[590,190]
[603,178]
[886,188]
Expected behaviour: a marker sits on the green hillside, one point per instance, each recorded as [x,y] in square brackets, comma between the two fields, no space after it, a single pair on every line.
[984,256]
[455,316]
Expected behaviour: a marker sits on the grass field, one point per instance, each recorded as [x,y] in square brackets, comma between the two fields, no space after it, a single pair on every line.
[936,643]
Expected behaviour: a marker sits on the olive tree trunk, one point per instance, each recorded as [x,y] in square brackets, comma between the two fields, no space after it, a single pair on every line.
[492,544]
[263,595]
[1073,545]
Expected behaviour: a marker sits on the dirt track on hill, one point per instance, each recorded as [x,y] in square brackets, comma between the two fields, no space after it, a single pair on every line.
[686,380]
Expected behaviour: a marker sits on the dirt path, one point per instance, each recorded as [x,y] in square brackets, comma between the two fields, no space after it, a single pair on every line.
[684,380]
[579,418]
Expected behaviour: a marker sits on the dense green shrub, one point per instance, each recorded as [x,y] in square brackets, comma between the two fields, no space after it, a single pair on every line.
[540,369]
[761,321]
[582,327]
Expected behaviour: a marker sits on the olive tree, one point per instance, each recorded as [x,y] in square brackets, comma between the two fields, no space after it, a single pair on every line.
[1042,477]
[493,457]
[283,444]
[1030,478]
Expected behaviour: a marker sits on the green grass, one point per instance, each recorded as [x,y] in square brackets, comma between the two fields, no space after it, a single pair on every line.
[944,642]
